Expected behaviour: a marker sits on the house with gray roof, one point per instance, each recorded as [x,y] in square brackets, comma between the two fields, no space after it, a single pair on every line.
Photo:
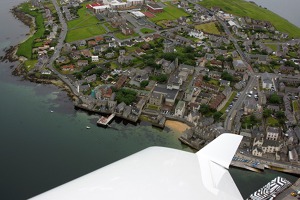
[239,65]
[267,81]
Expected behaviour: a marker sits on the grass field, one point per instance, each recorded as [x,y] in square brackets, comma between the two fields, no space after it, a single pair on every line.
[272,46]
[228,102]
[85,32]
[272,121]
[295,105]
[170,13]
[121,36]
[244,8]
[208,28]
[25,48]
[146,30]
[29,64]
[112,29]
[86,26]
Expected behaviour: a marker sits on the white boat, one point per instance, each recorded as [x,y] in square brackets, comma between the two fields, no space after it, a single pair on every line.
[87,127]
[52,111]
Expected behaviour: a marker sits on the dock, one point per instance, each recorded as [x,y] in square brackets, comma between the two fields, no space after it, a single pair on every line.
[105,120]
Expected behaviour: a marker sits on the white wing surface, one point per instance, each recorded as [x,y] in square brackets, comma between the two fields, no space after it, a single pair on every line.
[160,173]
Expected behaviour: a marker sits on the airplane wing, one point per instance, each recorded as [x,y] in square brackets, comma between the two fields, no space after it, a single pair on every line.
[160,173]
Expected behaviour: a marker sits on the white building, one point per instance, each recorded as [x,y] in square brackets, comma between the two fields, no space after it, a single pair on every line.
[180,109]
[267,81]
[98,9]
[197,34]
[95,58]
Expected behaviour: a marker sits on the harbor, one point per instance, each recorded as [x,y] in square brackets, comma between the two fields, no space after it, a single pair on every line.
[105,120]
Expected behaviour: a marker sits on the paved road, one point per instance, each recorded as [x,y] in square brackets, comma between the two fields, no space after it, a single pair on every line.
[62,36]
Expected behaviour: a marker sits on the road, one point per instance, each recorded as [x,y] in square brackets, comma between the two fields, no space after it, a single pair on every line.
[62,36]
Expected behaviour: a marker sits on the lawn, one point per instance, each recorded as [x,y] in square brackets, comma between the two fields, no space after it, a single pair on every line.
[271,121]
[86,18]
[85,32]
[29,64]
[214,82]
[25,48]
[121,36]
[228,102]
[295,105]
[170,13]
[244,8]
[112,29]
[272,46]
[146,30]
[86,26]
[209,28]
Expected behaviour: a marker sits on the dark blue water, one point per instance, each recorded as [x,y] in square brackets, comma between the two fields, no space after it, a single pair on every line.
[40,149]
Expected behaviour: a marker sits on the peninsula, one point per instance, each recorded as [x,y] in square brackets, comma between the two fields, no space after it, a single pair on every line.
[216,66]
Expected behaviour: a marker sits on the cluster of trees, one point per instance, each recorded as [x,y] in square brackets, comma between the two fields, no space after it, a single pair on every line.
[226,76]
[125,95]
[275,99]
[280,116]
[206,110]
[161,78]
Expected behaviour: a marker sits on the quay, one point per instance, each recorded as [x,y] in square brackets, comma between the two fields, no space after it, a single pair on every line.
[104,121]
[271,190]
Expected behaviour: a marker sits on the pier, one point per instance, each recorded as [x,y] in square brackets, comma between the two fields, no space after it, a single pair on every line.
[105,120]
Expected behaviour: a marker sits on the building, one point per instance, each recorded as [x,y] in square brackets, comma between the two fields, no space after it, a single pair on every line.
[138,14]
[95,58]
[180,109]
[272,133]
[154,8]
[168,46]
[267,81]
[156,99]
[68,68]
[126,30]
[169,95]
[239,65]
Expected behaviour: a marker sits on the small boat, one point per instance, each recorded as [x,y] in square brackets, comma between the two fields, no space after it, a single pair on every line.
[87,127]
[51,111]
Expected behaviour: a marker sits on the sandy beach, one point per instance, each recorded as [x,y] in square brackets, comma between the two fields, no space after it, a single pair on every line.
[176,126]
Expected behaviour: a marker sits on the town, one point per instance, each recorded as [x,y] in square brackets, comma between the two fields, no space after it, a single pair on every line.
[175,60]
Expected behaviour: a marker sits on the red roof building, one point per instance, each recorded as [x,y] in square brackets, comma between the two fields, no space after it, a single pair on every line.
[154,8]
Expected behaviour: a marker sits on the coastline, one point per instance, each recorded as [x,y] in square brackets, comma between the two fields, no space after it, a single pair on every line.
[173,125]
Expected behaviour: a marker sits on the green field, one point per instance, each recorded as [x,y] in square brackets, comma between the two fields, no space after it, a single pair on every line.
[244,8]
[121,36]
[228,102]
[29,64]
[295,105]
[146,30]
[25,48]
[85,32]
[112,29]
[209,28]
[272,121]
[170,13]
[86,26]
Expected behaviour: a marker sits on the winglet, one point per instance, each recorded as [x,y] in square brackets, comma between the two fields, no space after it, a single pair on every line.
[222,149]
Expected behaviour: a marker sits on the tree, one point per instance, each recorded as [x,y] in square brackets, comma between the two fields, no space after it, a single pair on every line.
[206,78]
[275,99]
[253,120]
[217,115]
[280,115]
[144,84]
[229,59]
[226,76]
[125,95]
[204,109]
[267,113]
